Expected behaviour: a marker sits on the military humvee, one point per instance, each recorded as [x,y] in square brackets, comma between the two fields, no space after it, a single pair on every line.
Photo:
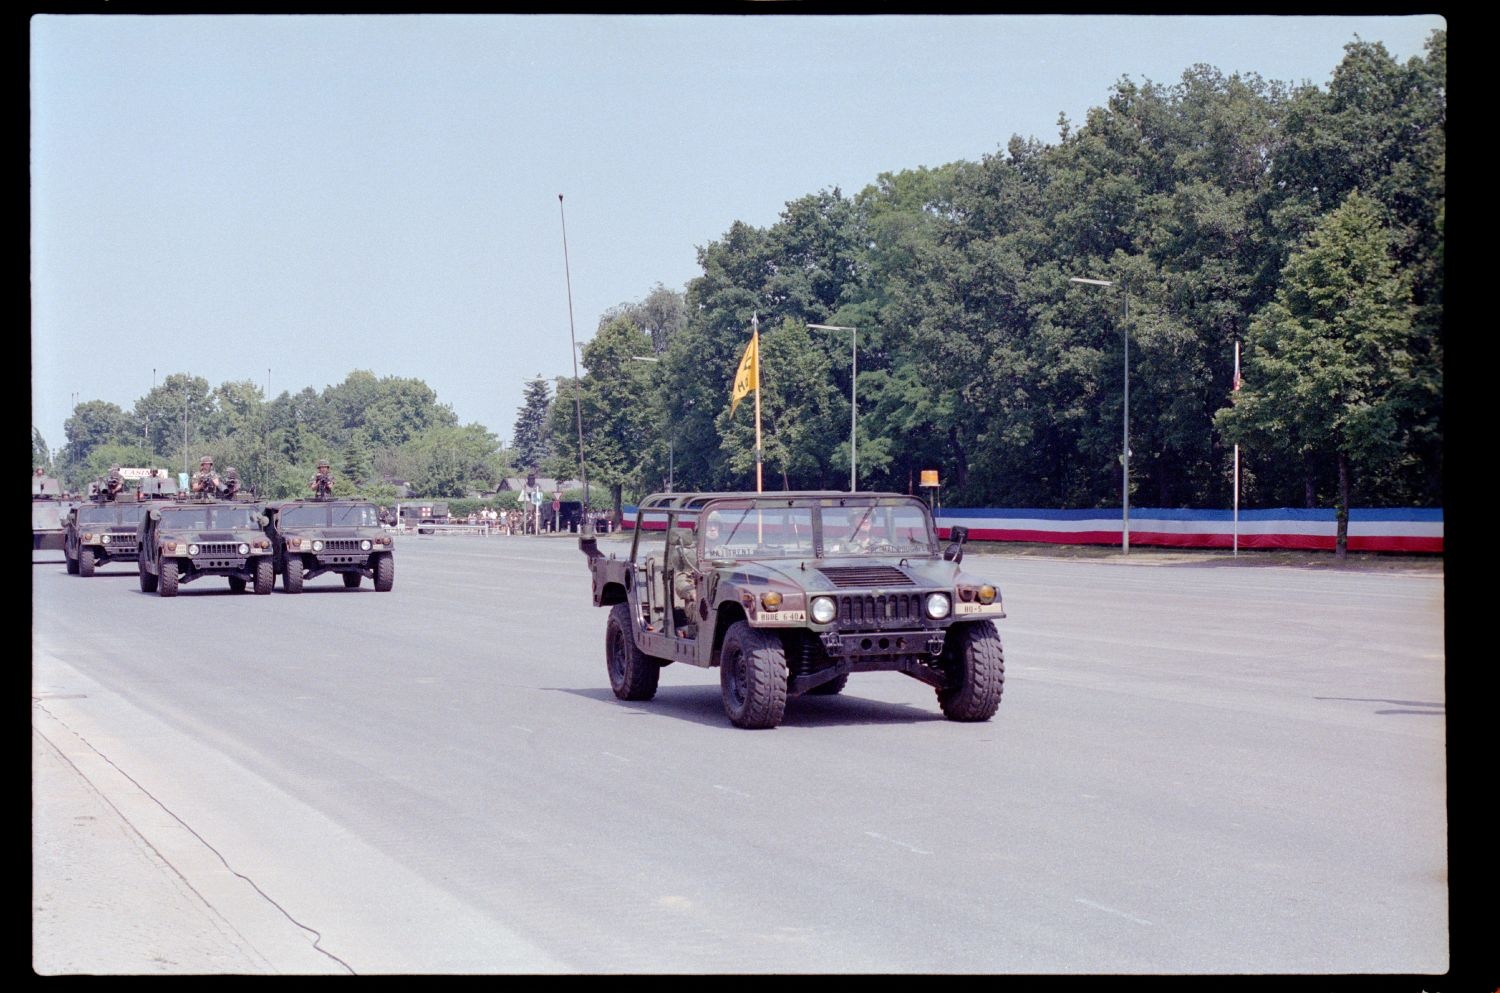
[48,508]
[789,593]
[99,532]
[185,540]
[311,537]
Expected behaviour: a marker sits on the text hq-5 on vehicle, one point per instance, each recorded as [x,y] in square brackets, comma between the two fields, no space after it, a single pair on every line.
[789,593]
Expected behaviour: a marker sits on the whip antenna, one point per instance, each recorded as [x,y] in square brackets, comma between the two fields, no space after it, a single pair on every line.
[572,337]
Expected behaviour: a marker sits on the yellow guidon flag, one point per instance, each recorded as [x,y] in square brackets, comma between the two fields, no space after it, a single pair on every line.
[747,377]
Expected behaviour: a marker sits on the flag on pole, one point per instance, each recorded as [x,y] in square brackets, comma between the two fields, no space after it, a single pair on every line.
[747,377]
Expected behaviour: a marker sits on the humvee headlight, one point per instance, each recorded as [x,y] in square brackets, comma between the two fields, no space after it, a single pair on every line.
[317,545]
[192,549]
[104,539]
[365,545]
[987,593]
[938,605]
[86,538]
[770,600]
[244,549]
[823,609]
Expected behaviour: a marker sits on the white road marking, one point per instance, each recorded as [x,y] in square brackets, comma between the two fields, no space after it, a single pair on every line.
[1111,910]
[901,844]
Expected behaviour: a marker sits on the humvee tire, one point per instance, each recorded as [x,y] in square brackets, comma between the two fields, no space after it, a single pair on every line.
[385,572]
[291,576]
[85,561]
[633,674]
[265,576]
[148,579]
[752,676]
[71,561]
[975,659]
[168,578]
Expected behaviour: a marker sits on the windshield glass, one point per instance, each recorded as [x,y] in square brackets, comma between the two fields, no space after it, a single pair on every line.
[119,513]
[361,515]
[850,527]
[203,518]
[881,528]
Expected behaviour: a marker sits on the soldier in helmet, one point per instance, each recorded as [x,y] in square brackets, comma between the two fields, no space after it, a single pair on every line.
[322,481]
[113,483]
[206,482]
[231,483]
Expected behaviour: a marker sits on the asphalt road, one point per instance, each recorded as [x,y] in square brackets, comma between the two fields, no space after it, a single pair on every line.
[1194,769]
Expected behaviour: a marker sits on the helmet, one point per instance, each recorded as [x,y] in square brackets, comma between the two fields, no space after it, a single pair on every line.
[231,473]
[322,463]
[115,467]
[206,460]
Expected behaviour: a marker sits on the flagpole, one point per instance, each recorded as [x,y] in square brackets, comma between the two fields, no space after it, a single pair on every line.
[1236,460]
[755,338]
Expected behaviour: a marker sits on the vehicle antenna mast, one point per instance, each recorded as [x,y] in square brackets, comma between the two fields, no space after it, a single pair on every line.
[583,473]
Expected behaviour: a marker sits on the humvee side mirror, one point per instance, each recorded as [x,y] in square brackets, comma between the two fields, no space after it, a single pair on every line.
[958,534]
[156,515]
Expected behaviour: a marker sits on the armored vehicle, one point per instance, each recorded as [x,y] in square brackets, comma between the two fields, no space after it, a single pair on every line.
[789,593]
[48,508]
[311,537]
[185,540]
[99,532]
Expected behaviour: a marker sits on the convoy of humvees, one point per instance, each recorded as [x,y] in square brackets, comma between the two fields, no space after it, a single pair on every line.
[788,593]
[182,541]
[312,537]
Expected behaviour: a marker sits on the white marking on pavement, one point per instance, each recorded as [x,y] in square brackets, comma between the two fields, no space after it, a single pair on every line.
[901,844]
[614,756]
[1111,910]
[726,789]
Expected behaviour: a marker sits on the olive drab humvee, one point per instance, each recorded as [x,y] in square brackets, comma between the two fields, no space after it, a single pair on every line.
[313,537]
[788,593]
[181,541]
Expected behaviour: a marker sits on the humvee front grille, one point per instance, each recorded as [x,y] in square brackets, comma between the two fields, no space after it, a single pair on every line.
[219,548]
[879,611]
[341,545]
[847,576]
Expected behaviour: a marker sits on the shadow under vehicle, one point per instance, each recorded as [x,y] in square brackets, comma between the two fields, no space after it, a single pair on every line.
[788,593]
[182,541]
[312,537]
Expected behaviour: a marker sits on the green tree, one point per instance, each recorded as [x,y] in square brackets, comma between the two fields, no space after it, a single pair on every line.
[530,436]
[614,398]
[1331,370]
[40,457]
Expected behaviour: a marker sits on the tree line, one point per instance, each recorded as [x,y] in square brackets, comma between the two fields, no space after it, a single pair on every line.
[1303,223]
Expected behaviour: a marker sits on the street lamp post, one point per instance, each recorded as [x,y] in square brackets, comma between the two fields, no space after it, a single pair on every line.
[649,358]
[853,406]
[1125,456]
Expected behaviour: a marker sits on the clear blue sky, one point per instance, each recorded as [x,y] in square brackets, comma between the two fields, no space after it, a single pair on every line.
[288,199]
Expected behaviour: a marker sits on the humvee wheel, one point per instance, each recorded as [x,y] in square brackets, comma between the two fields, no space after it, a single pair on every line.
[265,576]
[752,676]
[148,579]
[351,580]
[85,562]
[385,572]
[236,584]
[975,660]
[633,674]
[168,578]
[834,685]
[291,575]
[71,561]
